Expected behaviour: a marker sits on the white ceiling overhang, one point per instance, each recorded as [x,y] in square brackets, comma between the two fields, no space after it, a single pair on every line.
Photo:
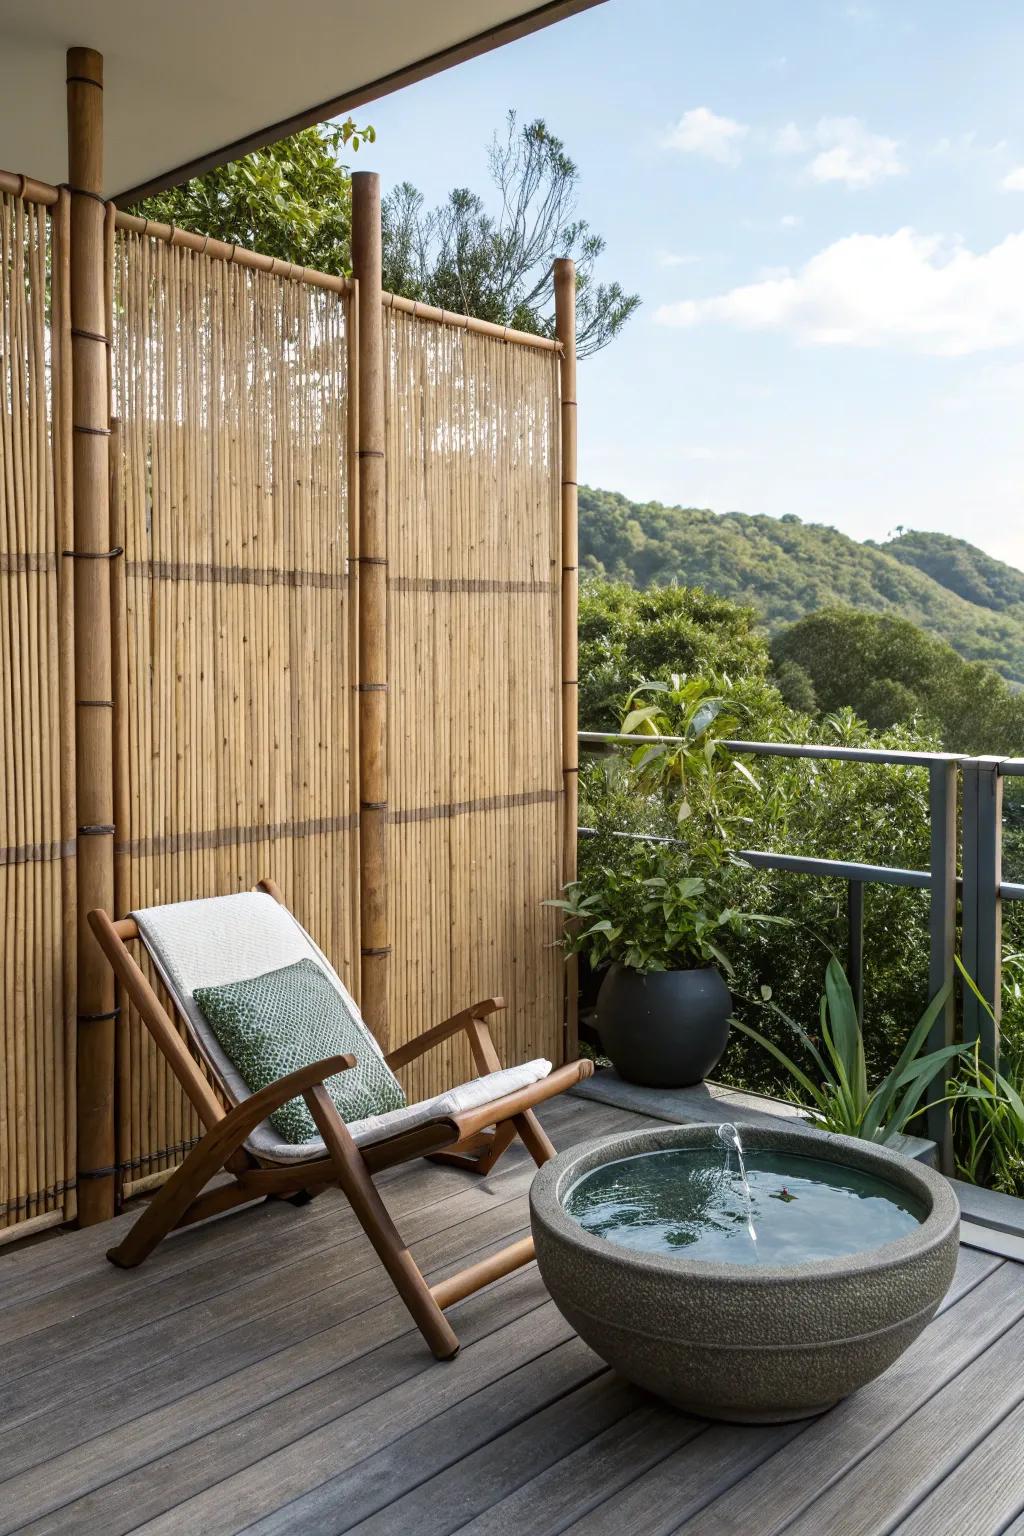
[189,84]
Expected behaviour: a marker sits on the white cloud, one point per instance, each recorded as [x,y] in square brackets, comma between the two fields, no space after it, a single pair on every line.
[674,258]
[790,140]
[850,153]
[904,290]
[962,148]
[702,132]
[841,149]
[790,221]
[1013,181]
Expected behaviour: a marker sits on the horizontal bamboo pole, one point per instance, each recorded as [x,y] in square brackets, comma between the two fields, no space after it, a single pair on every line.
[28,189]
[223,251]
[34,191]
[469,323]
[34,1224]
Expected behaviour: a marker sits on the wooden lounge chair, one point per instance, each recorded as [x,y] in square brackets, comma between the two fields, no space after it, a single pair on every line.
[472,1126]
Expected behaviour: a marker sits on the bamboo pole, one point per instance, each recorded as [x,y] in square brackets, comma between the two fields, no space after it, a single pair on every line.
[565,327]
[421,311]
[63,411]
[28,189]
[372,668]
[239,255]
[94,713]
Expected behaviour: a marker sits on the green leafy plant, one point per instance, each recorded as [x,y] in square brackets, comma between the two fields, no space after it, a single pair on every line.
[646,916]
[988,1118]
[689,710]
[836,1089]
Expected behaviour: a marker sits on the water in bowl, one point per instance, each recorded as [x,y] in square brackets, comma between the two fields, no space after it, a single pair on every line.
[688,1203]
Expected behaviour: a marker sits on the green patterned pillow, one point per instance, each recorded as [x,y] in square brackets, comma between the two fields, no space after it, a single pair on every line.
[274,1024]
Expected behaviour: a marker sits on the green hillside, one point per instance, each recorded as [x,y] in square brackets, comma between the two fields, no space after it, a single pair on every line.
[962,568]
[786,568]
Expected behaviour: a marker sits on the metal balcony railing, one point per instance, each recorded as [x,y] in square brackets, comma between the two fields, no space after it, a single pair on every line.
[970,901]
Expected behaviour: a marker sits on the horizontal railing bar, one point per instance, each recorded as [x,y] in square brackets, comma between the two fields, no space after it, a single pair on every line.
[840,869]
[1011,767]
[1009,891]
[789,749]
[797,864]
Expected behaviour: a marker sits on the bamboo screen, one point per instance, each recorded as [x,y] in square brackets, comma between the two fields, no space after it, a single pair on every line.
[474,554]
[36,743]
[232,623]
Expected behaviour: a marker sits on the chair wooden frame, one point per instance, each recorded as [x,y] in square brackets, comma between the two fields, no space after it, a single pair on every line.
[473,1139]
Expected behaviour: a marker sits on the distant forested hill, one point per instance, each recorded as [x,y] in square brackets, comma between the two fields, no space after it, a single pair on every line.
[786,568]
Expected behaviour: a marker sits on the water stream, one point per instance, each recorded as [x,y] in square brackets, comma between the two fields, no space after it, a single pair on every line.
[729,1136]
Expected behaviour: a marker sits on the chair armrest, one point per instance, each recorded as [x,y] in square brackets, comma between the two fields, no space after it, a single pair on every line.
[295,1083]
[228,1134]
[470,1019]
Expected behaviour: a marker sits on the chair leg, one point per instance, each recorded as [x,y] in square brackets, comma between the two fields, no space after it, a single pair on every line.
[534,1137]
[374,1218]
[169,1204]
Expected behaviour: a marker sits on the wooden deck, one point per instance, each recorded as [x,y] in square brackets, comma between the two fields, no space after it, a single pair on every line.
[257,1374]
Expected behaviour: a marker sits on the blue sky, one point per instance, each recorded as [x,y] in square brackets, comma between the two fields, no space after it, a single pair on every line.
[822,206]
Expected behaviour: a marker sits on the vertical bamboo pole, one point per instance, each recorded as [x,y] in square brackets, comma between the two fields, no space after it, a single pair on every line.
[565,328]
[374,915]
[94,712]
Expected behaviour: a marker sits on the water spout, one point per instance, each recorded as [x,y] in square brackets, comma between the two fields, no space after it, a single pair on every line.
[729,1136]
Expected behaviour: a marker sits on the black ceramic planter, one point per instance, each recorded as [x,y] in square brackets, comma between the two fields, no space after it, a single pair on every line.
[665,1029]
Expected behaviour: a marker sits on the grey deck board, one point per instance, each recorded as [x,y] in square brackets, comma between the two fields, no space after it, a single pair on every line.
[983,1492]
[243,1321]
[258,1374]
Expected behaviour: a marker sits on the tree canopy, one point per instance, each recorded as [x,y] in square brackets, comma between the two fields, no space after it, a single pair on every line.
[293,200]
[462,257]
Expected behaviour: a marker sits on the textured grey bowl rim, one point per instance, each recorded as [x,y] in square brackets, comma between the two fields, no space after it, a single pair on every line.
[930,1188]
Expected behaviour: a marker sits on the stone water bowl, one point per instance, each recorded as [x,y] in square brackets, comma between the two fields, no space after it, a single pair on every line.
[748,1339]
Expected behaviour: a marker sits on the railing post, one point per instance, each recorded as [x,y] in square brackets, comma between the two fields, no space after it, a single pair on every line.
[565,328]
[982,907]
[855,944]
[374,906]
[942,933]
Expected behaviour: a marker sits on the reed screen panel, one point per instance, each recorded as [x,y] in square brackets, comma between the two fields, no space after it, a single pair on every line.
[37,907]
[474,554]
[233,626]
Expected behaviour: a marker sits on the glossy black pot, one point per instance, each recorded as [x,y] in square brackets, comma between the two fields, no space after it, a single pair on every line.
[665,1029]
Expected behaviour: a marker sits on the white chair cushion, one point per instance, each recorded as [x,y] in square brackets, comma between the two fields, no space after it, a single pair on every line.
[222,939]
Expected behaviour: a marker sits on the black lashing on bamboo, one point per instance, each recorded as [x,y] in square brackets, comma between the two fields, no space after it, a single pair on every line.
[99,829]
[78,330]
[371,559]
[94,703]
[369,953]
[91,431]
[370,687]
[98,1173]
[93,554]
[373,805]
[369,453]
[84,191]
[98,1018]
